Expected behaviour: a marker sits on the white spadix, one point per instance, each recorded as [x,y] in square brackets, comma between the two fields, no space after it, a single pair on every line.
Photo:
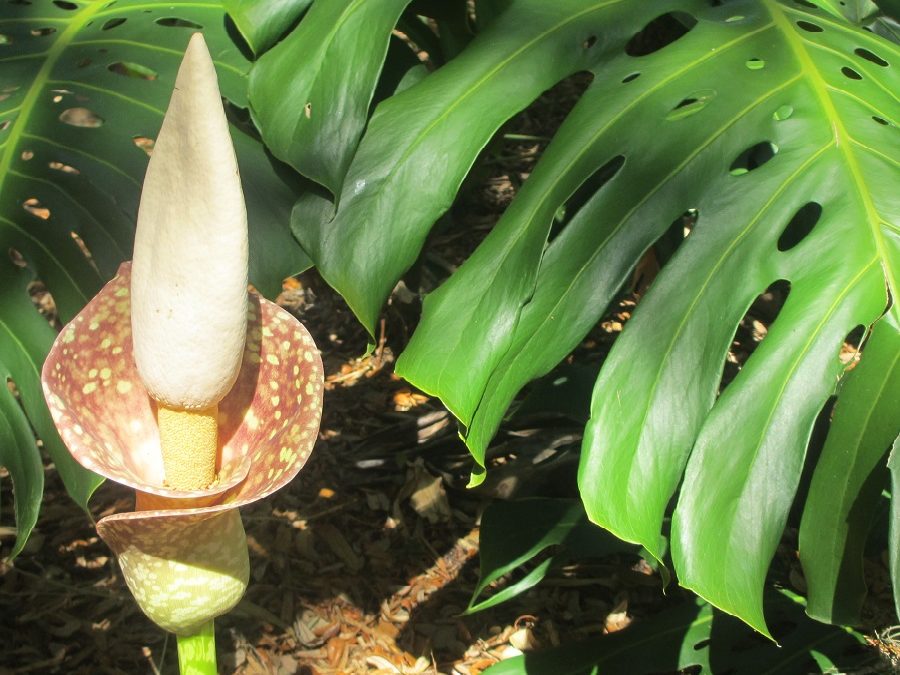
[189,276]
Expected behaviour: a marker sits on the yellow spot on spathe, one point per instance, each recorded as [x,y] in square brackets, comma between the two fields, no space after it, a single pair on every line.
[122,292]
[275,400]
[106,343]
[92,372]
[310,389]
[105,373]
[252,420]
[271,358]
[273,385]
[89,387]
[94,325]
[123,386]
[116,350]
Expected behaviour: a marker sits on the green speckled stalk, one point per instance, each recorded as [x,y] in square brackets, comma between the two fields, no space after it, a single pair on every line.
[197,652]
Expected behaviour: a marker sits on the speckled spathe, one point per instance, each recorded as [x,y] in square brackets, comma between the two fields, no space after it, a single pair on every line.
[183,554]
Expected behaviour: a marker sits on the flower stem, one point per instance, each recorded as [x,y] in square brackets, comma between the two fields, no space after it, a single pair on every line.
[197,652]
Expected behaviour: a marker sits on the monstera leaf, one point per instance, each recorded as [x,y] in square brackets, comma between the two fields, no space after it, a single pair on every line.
[775,127]
[83,89]
[771,125]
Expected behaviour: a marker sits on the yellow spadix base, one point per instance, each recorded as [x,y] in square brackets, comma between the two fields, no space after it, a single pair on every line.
[189,440]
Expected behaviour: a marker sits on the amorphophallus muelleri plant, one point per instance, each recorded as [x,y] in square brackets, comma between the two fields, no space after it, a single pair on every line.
[178,382]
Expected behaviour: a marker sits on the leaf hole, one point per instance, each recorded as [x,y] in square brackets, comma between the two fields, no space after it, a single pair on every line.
[16,257]
[703,644]
[144,143]
[663,250]
[589,42]
[79,242]
[783,112]
[41,32]
[174,22]
[800,226]
[850,73]
[753,328]
[755,64]
[752,158]
[661,32]
[881,120]
[870,56]
[851,347]
[810,27]
[630,78]
[113,23]
[35,208]
[65,168]
[65,4]
[135,70]
[81,117]
[691,105]
[4,125]
[583,194]
[27,155]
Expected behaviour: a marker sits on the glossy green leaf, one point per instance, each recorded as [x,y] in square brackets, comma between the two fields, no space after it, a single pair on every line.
[748,453]
[312,116]
[262,22]
[692,634]
[420,143]
[514,533]
[762,111]
[18,451]
[849,478]
[894,534]
[83,89]
[20,455]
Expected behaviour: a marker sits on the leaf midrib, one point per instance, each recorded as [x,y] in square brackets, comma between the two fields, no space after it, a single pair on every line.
[842,138]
